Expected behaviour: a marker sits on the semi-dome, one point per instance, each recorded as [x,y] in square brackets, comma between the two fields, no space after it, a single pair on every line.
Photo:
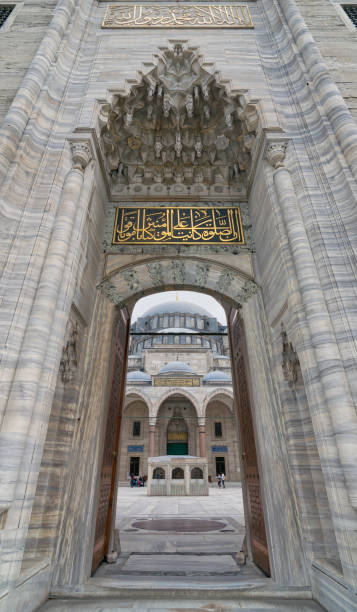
[137,376]
[216,376]
[173,307]
[176,367]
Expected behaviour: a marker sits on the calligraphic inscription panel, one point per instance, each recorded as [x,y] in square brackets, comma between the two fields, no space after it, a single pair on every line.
[178,16]
[179,225]
[176,382]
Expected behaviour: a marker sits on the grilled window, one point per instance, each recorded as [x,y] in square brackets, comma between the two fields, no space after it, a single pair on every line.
[5,10]
[351,12]
[218,430]
[136,428]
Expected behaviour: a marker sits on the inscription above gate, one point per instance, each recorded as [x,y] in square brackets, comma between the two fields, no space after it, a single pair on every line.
[179,225]
[173,16]
[176,382]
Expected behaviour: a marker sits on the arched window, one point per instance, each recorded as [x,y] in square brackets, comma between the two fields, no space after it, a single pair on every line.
[158,473]
[196,472]
[177,473]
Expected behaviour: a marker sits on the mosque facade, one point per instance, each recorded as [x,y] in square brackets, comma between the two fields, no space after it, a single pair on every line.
[179,394]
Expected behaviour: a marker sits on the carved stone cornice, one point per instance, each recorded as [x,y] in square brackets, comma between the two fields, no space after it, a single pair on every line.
[275,153]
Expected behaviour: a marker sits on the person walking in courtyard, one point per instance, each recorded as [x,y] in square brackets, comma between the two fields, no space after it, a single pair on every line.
[219,481]
[222,480]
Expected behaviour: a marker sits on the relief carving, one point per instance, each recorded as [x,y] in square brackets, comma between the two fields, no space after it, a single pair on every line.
[201,275]
[225,281]
[131,279]
[155,272]
[290,362]
[178,272]
[69,360]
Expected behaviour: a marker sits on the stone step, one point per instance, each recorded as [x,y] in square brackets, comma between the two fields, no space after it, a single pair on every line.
[177,604]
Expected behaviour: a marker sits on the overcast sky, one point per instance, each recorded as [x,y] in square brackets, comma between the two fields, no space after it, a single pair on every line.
[202,299]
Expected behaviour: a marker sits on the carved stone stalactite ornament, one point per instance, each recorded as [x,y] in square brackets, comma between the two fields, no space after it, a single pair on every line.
[178,131]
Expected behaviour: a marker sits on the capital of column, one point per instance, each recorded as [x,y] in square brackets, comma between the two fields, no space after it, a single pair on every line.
[202,421]
[275,153]
[81,154]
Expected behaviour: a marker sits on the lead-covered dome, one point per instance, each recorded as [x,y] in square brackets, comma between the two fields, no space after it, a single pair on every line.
[173,307]
[138,377]
[177,367]
[217,376]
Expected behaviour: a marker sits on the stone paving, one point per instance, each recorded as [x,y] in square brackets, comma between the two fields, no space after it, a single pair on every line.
[223,505]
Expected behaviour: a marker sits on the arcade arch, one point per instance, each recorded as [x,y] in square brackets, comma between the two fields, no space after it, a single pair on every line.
[135,431]
[221,434]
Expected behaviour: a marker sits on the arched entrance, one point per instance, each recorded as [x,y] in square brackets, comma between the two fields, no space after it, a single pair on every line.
[177,426]
[177,435]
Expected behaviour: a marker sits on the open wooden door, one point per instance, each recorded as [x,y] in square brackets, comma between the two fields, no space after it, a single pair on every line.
[111,441]
[249,452]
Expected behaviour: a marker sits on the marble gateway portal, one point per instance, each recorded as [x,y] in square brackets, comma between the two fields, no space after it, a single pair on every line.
[189,110]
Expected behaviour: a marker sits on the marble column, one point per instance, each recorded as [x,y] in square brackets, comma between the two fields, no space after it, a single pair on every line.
[334,381]
[21,108]
[31,394]
[330,97]
[202,434]
[22,399]
[152,433]
[312,331]
[187,479]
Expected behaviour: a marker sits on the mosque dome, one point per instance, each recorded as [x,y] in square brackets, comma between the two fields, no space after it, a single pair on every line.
[138,377]
[176,306]
[216,376]
[177,367]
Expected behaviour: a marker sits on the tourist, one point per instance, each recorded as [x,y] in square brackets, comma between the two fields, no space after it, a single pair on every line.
[222,480]
[219,480]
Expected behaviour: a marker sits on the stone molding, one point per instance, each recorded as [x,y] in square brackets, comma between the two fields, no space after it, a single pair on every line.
[132,282]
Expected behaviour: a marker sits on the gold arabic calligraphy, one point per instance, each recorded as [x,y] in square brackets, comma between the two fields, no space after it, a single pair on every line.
[184,16]
[179,225]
